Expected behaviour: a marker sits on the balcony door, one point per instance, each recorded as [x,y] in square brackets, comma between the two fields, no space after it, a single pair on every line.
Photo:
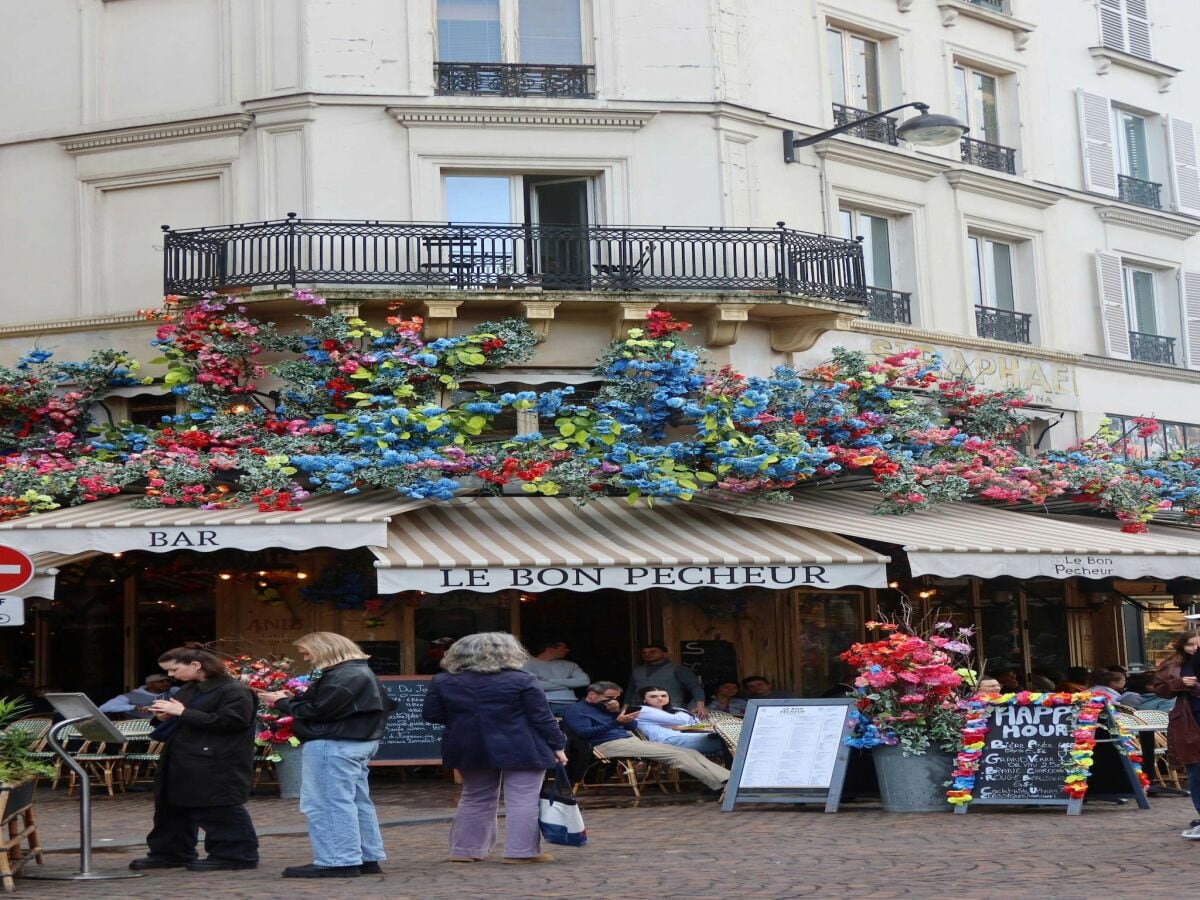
[559,209]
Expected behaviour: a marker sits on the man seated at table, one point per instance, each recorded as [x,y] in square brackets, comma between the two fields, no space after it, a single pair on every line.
[757,687]
[135,704]
[600,720]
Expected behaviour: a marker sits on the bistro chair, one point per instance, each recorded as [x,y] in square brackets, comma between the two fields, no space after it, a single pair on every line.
[142,753]
[728,728]
[38,727]
[622,772]
[1165,769]
[105,761]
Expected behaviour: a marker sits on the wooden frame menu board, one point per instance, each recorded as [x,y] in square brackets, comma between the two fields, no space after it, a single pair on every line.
[791,751]
[408,739]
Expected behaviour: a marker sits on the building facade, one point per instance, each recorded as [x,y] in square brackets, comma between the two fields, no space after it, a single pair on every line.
[1052,249]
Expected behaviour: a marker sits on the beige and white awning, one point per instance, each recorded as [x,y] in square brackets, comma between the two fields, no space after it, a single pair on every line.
[116,525]
[488,544]
[964,539]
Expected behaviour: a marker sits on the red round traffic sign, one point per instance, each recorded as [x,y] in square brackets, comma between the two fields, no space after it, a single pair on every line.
[16,569]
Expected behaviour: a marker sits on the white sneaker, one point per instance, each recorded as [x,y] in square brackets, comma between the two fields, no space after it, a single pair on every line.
[1192,834]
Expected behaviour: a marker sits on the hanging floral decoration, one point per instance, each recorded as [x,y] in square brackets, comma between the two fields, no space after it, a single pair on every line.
[1088,711]
[345,406]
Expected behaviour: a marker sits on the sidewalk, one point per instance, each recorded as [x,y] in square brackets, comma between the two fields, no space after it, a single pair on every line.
[683,847]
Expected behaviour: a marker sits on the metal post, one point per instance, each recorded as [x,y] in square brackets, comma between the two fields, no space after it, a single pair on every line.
[291,251]
[85,872]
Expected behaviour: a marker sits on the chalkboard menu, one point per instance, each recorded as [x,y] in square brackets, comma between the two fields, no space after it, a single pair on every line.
[791,751]
[712,661]
[408,739]
[385,656]
[1025,755]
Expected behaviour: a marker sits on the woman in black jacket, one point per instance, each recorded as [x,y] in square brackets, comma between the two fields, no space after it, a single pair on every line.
[203,777]
[340,719]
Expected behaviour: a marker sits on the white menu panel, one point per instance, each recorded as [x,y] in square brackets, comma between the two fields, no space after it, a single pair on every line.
[793,747]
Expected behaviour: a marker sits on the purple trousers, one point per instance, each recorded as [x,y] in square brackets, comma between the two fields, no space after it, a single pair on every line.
[473,833]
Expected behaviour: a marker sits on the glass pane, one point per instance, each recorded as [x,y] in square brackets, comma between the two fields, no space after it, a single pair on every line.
[1144,313]
[1046,623]
[1002,286]
[1174,437]
[472,198]
[468,30]
[837,77]
[455,615]
[877,251]
[1193,437]
[1133,134]
[976,270]
[846,224]
[864,70]
[550,32]
[829,624]
[986,117]
[1000,630]
[962,108]
[1164,623]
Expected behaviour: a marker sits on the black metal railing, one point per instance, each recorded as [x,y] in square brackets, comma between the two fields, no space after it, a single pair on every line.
[882,130]
[994,5]
[1152,348]
[989,156]
[1002,324]
[514,80]
[1143,193]
[478,256]
[889,306]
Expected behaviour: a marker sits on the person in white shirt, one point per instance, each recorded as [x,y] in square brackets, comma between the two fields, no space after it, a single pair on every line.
[557,677]
[135,704]
[660,721]
[1110,684]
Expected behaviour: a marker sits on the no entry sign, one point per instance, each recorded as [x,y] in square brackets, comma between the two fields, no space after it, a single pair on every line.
[16,569]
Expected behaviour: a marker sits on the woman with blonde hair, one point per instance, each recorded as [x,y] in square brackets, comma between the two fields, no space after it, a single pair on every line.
[340,719]
[499,732]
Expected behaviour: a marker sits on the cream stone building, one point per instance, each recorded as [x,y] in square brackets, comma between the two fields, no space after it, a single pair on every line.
[624,154]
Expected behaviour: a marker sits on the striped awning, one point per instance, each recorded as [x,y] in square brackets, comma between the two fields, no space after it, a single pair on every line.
[964,539]
[116,525]
[488,544]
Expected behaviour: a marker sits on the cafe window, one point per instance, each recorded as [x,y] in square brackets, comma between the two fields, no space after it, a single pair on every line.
[149,410]
[827,623]
[441,619]
[1169,438]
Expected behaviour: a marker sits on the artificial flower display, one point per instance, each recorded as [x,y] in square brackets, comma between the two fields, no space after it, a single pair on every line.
[269,673]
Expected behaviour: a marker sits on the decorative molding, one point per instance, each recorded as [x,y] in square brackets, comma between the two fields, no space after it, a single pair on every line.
[91,142]
[1145,221]
[1105,57]
[62,326]
[464,117]
[792,335]
[904,5]
[348,308]
[725,322]
[1003,187]
[630,314]
[910,333]
[952,9]
[539,314]
[1130,367]
[877,157]
[439,315]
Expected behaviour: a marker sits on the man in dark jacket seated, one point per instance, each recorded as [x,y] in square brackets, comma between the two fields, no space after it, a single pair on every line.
[600,720]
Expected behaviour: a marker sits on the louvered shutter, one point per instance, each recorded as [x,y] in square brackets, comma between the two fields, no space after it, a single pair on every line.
[1096,144]
[1137,28]
[1112,24]
[1189,297]
[1113,318]
[1185,176]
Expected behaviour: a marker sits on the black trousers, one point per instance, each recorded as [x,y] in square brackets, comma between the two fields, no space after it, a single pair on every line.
[228,833]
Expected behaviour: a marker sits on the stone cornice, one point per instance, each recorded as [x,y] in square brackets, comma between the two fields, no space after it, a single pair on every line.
[952,9]
[908,333]
[60,326]
[1105,57]
[473,117]
[1129,367]
[1146,221]
[879,158]
[91,142]
[1003,187]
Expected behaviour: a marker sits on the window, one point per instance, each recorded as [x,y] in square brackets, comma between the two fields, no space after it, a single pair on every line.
[1141,302]
[468,30]
[1169,437]
[548,32]
[853,70]
[1125,26]
[149,409]
[1133,157]
[976,98]
[876,243]
[992,273]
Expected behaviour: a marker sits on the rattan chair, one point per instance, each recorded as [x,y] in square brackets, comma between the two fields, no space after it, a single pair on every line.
[728,728]
[142,753]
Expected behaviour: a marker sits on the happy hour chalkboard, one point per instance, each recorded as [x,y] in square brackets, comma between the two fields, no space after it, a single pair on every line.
[1025,754]
[408,739]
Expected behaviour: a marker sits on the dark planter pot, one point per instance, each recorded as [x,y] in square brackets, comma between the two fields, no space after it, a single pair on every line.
[913,783]
[15,797]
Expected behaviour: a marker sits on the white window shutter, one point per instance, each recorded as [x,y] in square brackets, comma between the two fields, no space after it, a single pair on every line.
[1185,175]
[1112,24]
[1137,28]
[1113,317]
[1189,297]
[1096,144]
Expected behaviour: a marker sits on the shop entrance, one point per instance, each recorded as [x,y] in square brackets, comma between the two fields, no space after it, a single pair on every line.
[597,626]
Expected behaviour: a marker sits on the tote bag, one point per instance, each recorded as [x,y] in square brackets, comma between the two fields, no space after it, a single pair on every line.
[558,813]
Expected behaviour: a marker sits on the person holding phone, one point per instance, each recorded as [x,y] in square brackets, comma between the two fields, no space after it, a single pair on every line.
[1177,678]
[660,721]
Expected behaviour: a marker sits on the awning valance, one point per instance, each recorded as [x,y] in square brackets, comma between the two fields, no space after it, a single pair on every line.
[116,525]
[488,544]
[964,539]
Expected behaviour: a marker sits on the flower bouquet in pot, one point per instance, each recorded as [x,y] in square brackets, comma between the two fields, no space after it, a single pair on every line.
[270,673]
[907,711]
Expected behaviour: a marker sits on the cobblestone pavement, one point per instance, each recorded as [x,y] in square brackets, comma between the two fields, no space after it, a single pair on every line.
[683,847]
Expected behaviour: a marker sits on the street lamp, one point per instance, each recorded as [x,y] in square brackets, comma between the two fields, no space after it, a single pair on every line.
[927,129]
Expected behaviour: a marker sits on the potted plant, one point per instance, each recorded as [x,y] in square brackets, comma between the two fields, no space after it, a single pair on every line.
[274,730]
[908,707]
[20,767]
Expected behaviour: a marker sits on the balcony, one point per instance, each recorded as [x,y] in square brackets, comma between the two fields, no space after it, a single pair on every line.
[514,80]
[989,156]
[448,256]
[882,131]
[1143,193]
[1152,348]
[1002,324]
[890,306]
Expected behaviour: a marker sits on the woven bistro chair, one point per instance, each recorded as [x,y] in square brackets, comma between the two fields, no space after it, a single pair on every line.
[37,727]
[105,761]
[728,728]
[1165,768]
[632,773]
[142,753]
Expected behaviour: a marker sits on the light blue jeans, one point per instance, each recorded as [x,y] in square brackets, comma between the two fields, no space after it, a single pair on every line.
[708,744]
[336,800]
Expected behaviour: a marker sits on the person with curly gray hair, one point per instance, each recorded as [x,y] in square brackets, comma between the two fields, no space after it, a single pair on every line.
[499,734]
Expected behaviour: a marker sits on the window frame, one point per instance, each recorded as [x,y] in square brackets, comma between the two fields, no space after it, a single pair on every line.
[1132,314]
[964,101]
[510,35]
[985,263]
[855,216]
[844,63]
[1122,147]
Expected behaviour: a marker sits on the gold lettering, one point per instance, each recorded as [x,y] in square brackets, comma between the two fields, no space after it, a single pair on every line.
[881,347]
[1008,367]
[987,366]
[1035,377]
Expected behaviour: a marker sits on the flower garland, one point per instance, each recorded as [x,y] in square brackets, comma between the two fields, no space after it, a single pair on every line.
[1088,710]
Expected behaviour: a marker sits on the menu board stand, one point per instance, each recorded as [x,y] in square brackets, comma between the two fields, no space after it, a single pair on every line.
[791,751]
[408,740]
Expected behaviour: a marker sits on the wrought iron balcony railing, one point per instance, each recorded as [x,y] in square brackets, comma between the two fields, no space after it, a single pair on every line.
[514,80]
[551,257]
[1152,348]
[1002,324]
[889,306]
[1143,193]
[989,156]
[998,6]
[882,130]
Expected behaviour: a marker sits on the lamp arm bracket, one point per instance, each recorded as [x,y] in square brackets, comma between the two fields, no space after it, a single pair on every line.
[791,142]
